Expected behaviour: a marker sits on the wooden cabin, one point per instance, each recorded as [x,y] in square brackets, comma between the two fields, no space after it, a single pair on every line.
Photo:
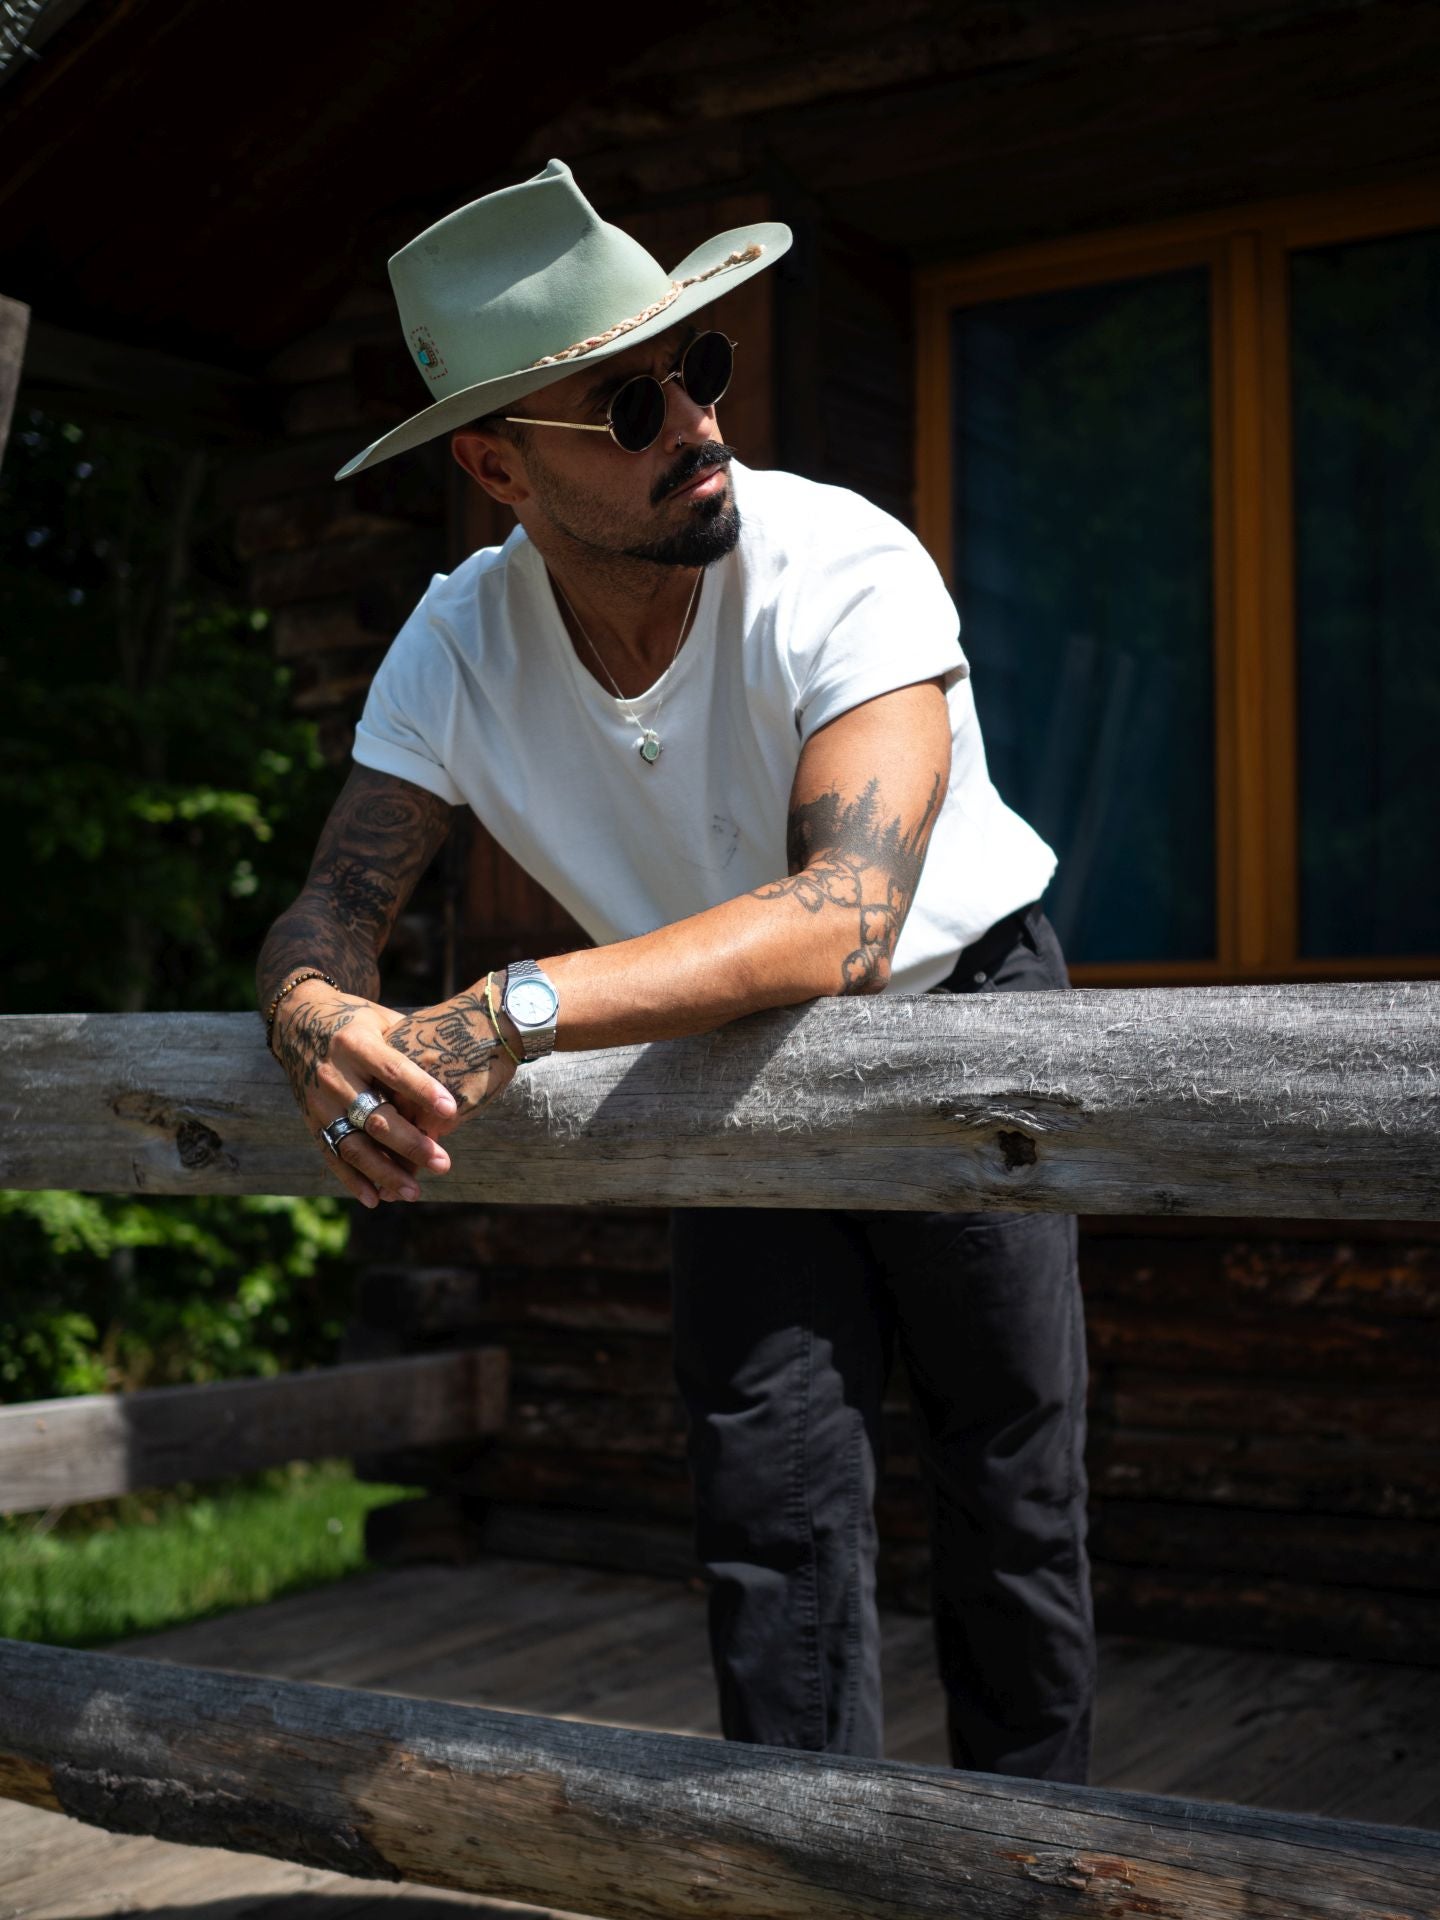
[1133,310]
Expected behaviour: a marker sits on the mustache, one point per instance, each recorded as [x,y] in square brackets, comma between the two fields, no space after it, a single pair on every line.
[712,454]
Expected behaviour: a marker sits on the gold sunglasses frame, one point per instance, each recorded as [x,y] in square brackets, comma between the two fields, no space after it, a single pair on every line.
[661,381]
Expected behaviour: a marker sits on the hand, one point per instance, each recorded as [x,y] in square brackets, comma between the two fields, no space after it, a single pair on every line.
[456,1041]
[334,1045]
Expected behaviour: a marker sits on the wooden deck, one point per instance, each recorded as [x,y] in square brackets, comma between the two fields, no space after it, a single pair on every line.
[1342,1738]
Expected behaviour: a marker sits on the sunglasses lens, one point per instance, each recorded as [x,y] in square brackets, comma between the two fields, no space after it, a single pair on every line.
[637,413]
[706,368]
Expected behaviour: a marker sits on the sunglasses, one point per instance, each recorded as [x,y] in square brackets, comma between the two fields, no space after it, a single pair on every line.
[635,418]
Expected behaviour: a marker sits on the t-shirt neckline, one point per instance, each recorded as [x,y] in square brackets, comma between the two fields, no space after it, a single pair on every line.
[641,704]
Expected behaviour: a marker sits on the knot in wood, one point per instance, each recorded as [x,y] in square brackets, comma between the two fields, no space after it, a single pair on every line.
[1017,1149]
[197,1144]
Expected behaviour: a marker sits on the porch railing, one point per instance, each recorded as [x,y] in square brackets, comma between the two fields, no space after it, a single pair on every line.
[1313,1100]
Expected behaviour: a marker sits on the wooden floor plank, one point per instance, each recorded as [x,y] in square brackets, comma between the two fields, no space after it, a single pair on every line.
[1175,1711]
[1348,1739]
[564,1669]
[1352,1747]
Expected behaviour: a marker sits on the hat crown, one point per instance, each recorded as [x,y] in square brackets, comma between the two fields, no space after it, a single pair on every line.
[512,277]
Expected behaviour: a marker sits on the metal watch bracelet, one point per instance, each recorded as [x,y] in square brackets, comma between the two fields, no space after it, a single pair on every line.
[532,1006]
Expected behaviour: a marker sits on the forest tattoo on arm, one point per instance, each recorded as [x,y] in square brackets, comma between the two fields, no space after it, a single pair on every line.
[841,854]
[381,835]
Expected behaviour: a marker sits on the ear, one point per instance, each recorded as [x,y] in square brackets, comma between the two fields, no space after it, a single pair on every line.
[492,463]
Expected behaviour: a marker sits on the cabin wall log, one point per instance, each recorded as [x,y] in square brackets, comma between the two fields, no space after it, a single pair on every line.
[339,566]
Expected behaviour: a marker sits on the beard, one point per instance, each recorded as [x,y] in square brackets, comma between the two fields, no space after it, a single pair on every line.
[711,531]
[714,524]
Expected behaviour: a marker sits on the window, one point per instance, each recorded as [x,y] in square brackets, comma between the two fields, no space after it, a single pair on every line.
[1185,485]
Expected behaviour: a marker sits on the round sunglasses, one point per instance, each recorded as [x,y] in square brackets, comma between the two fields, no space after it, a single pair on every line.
[635,418]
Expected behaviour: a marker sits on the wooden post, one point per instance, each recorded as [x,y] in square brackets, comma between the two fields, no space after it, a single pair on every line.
[604,1821]
[14,325]
[1320,1101]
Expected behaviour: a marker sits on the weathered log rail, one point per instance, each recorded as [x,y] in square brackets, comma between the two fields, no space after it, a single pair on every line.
[1319,1101]
[609,1822]
[94,1446]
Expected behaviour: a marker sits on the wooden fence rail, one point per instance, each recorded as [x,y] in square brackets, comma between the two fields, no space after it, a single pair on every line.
[94,1446]
[604,1821]
[1320,1101]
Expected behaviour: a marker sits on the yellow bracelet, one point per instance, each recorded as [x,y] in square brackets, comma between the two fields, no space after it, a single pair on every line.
[495,1019]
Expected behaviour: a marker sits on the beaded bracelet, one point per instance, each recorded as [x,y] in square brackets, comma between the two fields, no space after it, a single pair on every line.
[308,973]
[495,1019]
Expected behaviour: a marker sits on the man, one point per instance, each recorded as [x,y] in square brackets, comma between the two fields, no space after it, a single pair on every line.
[724,717]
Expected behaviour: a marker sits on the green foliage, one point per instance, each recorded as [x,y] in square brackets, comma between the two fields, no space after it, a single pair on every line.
[139,1564]
[105,1291]
[161,795]
[161,800]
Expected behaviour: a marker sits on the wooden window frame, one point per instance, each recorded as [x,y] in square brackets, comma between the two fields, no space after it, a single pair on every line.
[1246,250]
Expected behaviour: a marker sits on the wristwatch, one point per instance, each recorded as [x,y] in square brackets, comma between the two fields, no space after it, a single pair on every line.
[533,1006]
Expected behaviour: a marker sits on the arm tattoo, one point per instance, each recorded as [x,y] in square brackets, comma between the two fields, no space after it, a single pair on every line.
[381,835]
[840,855]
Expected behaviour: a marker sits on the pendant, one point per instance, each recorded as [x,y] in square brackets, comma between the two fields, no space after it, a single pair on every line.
[649,745]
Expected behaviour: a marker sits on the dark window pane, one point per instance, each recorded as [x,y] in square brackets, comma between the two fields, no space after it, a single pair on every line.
[1083,572]
[1366,371]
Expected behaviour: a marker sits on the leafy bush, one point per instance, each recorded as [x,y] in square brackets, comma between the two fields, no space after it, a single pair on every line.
[161,796]
[105,1291]
[161,799]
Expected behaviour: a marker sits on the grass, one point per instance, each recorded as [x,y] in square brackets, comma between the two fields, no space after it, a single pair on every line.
[138,1564]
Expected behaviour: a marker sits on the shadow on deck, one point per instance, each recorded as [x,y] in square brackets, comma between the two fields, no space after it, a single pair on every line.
[1343,1738]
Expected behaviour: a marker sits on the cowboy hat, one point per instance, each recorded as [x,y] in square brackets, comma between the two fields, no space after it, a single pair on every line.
[520,288]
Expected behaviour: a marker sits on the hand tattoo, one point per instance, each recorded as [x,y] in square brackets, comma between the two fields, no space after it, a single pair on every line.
[841,856]
[456,1043]
[303,1037]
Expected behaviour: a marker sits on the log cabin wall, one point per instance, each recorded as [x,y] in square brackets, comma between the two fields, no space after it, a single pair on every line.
[1263,1426]
[339,567]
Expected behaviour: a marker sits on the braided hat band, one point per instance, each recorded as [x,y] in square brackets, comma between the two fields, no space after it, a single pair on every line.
[742,257]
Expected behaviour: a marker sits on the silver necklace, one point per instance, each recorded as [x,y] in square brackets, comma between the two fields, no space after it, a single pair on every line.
[649,741]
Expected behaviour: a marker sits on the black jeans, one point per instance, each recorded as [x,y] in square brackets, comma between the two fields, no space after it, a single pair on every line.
[786,1323]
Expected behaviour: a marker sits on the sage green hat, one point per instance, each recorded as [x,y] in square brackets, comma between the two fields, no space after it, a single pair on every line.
[519,289]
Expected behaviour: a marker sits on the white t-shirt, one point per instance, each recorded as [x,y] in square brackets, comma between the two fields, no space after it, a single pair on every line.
[824,603]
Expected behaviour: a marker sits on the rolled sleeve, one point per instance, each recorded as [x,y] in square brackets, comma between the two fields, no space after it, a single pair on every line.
[406,724]
[406,763]
[893,624]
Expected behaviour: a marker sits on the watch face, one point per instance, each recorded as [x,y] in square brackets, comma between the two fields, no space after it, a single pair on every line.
[531,1003]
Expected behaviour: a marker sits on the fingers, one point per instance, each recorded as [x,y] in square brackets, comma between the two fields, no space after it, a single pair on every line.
[389,1128]
[368,1172]
[353,1182]
[392,1179]
[425,1096]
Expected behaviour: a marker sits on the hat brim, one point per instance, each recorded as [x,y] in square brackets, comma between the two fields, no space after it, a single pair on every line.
[488,396]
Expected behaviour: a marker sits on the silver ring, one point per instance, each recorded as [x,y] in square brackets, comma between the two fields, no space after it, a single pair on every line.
[363,1105]
[337,1131]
